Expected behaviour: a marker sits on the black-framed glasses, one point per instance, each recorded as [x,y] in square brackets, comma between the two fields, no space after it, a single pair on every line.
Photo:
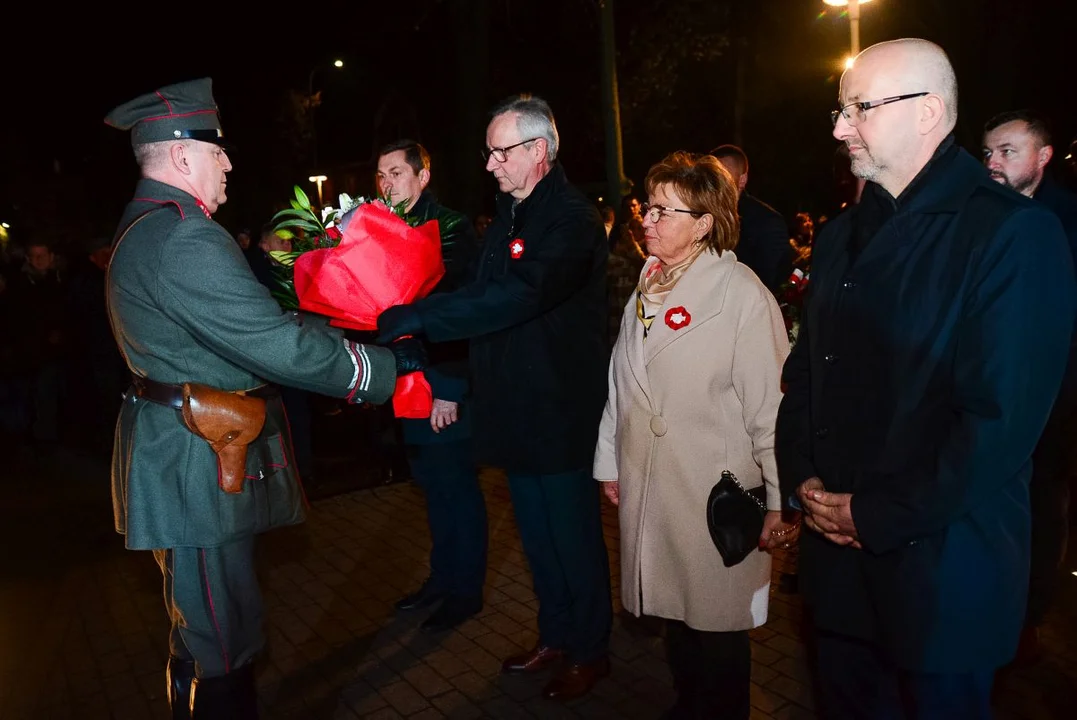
[654,213]
[856,113]
[501,154]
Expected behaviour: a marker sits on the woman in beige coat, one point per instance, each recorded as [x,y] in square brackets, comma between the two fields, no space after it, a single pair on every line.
[694,390]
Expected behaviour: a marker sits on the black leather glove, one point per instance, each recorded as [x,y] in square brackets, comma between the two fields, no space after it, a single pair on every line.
[397,321]
[410,354]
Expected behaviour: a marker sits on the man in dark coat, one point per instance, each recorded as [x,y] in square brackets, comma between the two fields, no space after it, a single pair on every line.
[1017,151]
[536,317]
[185,308]
[37,330]
[439,447]
[935,339]
[764,235]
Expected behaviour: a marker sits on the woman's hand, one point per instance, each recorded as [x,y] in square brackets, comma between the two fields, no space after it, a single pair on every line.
[612,489]
[778,534]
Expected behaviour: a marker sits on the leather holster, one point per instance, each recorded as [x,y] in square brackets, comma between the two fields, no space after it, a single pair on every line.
[229,422]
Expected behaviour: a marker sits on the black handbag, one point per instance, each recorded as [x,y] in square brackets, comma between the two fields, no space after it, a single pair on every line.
[735,518]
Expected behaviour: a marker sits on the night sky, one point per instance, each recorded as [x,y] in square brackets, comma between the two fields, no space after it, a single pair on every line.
[431,69]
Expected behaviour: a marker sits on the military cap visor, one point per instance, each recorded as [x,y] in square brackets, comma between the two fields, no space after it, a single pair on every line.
[175,112]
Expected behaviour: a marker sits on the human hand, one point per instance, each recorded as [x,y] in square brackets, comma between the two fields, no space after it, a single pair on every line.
[443,414]
[612,491]
[778,534]
[410,354]
[829,514]
[397,321]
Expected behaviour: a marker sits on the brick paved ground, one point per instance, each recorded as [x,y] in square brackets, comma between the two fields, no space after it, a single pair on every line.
[82,630]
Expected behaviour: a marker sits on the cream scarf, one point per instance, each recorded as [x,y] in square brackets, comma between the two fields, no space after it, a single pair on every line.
[655,283]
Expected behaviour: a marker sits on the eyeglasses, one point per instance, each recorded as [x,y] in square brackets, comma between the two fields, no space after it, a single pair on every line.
[502,154]
[654,213]
[856,113]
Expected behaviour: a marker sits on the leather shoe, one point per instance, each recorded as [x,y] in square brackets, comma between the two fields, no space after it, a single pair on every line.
[452,612]
[179,674]
[576,680]
[537,660]
[421,598]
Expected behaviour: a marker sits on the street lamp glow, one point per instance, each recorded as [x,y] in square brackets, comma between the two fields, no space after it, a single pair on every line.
[854,20]
[5,225]
[319,179]
[338,63]
[849,61]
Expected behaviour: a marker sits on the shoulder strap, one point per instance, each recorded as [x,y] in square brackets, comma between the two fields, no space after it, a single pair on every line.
[108,294]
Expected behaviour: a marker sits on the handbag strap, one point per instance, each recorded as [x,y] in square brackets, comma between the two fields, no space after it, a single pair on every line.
[731,476]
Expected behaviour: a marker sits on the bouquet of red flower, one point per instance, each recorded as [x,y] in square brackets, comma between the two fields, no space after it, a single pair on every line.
[352,274]
[791,302]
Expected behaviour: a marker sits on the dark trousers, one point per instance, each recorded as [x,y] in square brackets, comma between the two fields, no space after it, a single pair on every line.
[712,672]
[1049,499]
[561,531]
[215,604]
[456,511]
[857,683]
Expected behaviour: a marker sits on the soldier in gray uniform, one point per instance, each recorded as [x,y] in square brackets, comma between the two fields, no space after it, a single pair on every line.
[191,320]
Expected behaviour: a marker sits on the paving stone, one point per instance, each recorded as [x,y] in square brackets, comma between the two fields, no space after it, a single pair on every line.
[403,698]
[337,649]
[362,699]
[474,686]
[792,690]
[426,680]
[456,706]
[766,700]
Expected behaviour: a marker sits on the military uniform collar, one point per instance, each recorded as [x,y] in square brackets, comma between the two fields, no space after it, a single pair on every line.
[158,193]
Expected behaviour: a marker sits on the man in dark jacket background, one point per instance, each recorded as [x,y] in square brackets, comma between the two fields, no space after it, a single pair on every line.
[934,343]
[1017,151]
[536,318]
[439,447]
[764,235]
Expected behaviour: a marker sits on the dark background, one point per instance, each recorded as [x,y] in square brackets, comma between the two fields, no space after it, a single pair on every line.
[431,69]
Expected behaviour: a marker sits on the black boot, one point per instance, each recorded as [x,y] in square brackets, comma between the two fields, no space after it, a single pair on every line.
[178,675]
[228,697]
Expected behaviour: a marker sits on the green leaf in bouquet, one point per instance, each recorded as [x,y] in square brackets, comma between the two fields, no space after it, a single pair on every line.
[298,214]
[283,233]
[297,223]
[302,198]
[449,223]
[285,297]
[284,257]
[283,288]
[296,205]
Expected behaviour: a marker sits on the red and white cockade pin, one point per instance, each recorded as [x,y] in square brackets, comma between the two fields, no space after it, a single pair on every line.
[678,317]
[516,248]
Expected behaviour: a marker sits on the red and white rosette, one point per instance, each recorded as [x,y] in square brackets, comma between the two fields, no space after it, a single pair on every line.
[678,317]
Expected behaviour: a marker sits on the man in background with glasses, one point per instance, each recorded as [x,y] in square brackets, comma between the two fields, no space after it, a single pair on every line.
[932,348]
[536,318]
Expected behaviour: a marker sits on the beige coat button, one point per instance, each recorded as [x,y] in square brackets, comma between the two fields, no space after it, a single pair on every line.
[658,425]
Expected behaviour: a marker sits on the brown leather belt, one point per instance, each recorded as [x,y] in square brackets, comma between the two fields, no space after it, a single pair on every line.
[172,395]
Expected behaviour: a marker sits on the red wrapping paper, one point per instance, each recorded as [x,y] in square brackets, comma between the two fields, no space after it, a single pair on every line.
[381,261]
